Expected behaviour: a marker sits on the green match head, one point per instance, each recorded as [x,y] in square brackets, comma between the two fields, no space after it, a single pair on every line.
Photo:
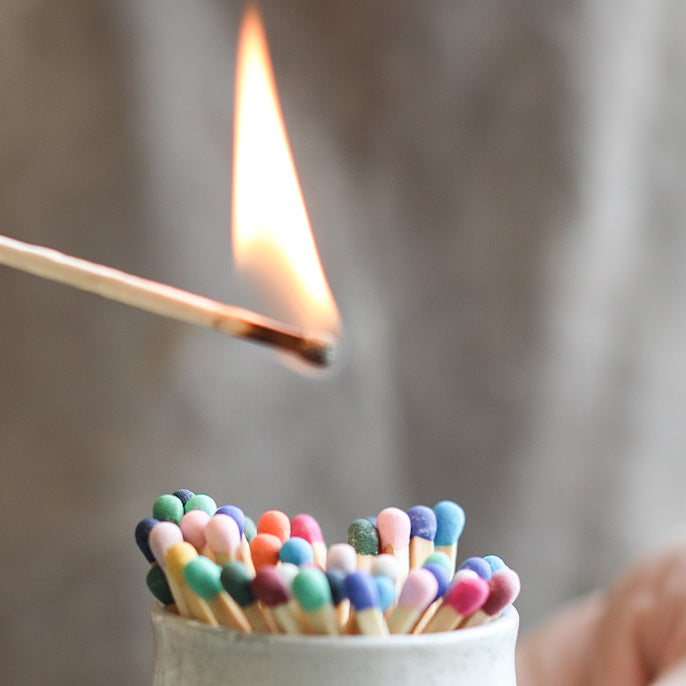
[250,528]
[202,575]
[442,558]
[363,536]
[168,508]
[311,588]
[236,580]
[157,583]
[201,502]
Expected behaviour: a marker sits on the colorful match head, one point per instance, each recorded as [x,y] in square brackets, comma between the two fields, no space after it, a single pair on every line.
[336,579]
[442,575]
[237,580]
[177,557]
[504,588]
[419,590]
[250,530]
[341,556]
[184,495]
[422,522]
[143,529]
[362,591]
[203,576]
[287,571]
[311,588]
[297,551]
[276,523]
[385,565]
[157,583]
[363,536]
[234,512]
[264,549]
[478,565]
[394,526]
[168,508]
[306,526]
[193,525]
[201,502]
[441,558]
[223,537]
[269,587]
[386,587]
[495,562]
[450,521]
[467,594]
[162,537]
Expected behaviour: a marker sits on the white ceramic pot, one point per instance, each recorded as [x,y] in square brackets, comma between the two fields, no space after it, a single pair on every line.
[188,653]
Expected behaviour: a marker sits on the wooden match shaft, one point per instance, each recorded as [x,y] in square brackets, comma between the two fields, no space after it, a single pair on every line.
[164,300]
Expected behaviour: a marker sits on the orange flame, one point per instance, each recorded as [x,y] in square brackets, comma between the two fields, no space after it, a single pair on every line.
[272,238]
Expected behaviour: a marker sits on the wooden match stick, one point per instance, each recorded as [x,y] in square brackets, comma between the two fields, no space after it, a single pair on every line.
[168,301]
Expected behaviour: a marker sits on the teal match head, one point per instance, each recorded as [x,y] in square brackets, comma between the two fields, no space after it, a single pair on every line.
[363,536]
[495,562]
[236,580]
[201,502]
[386,587]
[250,530]
[311,588]
[450,521]
[203,576]
[157,583]
[441,558]
[296,550]
[168,508]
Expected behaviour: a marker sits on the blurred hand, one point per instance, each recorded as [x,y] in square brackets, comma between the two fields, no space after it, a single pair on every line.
[632,635]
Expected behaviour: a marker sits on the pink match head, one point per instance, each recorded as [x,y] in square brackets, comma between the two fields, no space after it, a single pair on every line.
[223,535]
[504,588]
[162,537]
[307,527]
[386,565]
[393,525]
[276,523]
[467,594]
[341,556]
[419,590]
[193,525]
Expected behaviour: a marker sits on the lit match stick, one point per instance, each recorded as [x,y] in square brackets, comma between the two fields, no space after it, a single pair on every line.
[317,348]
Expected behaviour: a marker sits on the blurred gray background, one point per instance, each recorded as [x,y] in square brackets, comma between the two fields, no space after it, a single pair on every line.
[497,193]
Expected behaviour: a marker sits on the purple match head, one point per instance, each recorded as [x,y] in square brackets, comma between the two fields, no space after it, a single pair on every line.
[422,522]
[442,576]
[236,513]
[296,550]
[143,529]
[478,565]
[184,495]
[362,591]
[269,587]
[450,521]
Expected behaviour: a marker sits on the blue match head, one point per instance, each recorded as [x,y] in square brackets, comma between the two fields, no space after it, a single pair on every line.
[362,590]
[450,520]
[371,519]
[184,495]
[442,576]
[235,513]
[478,565]
[143,529]
[422,522]
[386,587]
[495,562]
[296,550]
[336,579]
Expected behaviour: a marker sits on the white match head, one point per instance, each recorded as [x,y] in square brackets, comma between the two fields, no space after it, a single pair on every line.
[341,556]
[162,537]
[386,565]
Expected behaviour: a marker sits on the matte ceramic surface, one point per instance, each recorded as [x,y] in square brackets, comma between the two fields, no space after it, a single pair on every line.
[191,654]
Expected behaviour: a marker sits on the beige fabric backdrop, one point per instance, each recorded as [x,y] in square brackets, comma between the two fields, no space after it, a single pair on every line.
[497,191]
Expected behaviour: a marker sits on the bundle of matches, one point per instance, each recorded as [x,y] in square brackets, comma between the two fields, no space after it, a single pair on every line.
[396,574]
